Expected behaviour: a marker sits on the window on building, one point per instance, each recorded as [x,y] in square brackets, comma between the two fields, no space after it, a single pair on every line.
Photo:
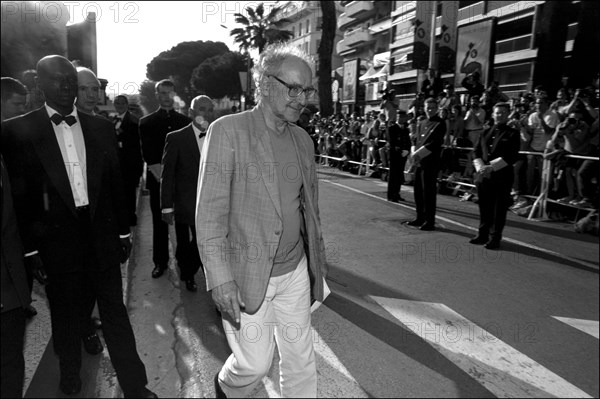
[318,44]
[293,32]
[307,25]
[300,30]
[319,23]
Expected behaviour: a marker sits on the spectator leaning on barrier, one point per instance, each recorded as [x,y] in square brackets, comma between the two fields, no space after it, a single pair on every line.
[539,129]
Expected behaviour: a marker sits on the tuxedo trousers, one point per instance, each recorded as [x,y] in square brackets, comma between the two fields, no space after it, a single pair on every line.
[69,297]
[396,176]
[12,370]
[283,318]
[187,255]
[160,229]
[426,193]
[494,201]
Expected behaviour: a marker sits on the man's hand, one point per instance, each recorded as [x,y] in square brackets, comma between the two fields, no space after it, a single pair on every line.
[404,153]
[155,170]
[125,248]
[35,266]
[168,217]
[486,171]
[228,299]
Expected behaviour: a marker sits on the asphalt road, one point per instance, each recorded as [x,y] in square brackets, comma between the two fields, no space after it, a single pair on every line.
[411,313]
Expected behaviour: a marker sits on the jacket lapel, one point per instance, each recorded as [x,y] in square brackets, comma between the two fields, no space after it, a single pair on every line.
[192,141]
[499,135]
[46,146]
[263,150]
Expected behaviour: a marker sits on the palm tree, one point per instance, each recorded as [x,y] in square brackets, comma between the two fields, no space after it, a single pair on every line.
[259,30]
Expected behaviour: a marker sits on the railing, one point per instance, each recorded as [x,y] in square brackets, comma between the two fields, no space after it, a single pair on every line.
[538,209]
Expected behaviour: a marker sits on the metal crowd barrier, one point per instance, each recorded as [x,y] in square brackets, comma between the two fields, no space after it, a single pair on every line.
[538,209]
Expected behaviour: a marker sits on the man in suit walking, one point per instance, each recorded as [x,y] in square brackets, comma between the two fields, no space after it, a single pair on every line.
[153,132]
[398,141]
[259,231]
[68,194]
[16,296]
[130,153]
[428,147]
[179,182]
[495,153]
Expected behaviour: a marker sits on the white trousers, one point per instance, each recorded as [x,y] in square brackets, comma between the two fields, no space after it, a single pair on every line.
[283,318]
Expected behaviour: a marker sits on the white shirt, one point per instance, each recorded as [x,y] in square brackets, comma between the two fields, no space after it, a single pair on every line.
[120,116]
[72,148]
[199,140]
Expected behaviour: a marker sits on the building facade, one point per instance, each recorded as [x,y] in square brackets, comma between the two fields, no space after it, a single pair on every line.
[376,30]
[305,20]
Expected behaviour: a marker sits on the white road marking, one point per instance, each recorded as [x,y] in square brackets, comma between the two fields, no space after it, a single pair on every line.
[497,366]
[446,220]
[587,326]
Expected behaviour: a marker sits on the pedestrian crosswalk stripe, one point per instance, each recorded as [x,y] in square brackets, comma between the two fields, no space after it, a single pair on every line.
[587,326]
[500,368]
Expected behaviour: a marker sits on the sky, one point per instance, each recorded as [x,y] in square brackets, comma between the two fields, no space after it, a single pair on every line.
[130,34]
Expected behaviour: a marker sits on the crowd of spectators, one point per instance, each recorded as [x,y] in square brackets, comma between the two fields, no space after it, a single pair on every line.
[551,127]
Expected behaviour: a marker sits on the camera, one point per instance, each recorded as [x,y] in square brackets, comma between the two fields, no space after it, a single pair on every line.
[387,94]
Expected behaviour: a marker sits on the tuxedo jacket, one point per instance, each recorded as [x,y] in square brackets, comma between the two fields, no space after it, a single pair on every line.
[15,291]
[430,135]
[505,145]
[130,153]
[179,174]
[44,201]
[153,132]
[238,209]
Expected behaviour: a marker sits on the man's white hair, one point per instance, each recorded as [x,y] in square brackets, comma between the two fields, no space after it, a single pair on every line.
[272,58]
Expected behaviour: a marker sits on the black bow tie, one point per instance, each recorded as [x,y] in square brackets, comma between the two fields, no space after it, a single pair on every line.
[201,135]
[58,118]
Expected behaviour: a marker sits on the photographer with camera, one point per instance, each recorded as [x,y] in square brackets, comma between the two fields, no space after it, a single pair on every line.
[572,136]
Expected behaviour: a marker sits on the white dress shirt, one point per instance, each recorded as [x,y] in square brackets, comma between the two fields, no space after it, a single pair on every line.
[72,148]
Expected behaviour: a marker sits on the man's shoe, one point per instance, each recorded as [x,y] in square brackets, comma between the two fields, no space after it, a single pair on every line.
[401,199]
[583,204]
[492,244]
[141,393]
[96,323]
[566,199]
[415,223]
[92,344]
[70,384]
[30,312]
[191,285]
[158,271]
[219,394]
[427,227]
[394,200]
[478,240]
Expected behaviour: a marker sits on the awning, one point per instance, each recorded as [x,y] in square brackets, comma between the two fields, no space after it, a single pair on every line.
[382,72]
[372,71]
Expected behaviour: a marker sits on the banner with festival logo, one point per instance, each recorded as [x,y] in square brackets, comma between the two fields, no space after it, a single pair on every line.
[474,51]
[447,41]
[422,40]
[350,82]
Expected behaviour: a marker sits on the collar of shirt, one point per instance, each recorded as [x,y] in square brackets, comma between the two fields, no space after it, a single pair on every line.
[121,116]
[51,111]
[199,140]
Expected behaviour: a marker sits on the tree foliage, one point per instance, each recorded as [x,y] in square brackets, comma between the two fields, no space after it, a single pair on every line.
[179,62]
[29,36]
[258,30]
[147,98]
[218,76]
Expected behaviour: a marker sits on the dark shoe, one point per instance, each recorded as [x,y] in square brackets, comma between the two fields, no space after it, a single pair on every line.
[218,391]
[191,285]
[415,223]
[401,199]
[92,344]
[393,200]
[30,312]
[158,271]
[478,240]
[96,323]
[492,244]
[70,384]
[427,227]
[142,393]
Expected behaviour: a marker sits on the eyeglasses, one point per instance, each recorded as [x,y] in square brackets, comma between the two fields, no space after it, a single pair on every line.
[295,90]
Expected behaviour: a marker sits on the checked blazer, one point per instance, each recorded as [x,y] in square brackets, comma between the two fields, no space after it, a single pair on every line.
[238,206]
